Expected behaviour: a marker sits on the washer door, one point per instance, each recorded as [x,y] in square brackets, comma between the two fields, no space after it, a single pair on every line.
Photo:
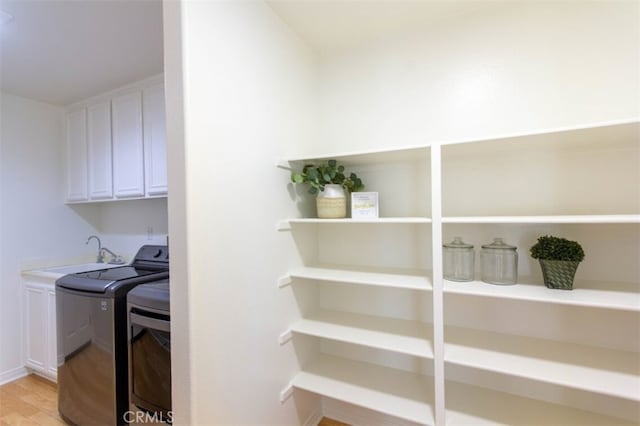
[150,347]
[86,360]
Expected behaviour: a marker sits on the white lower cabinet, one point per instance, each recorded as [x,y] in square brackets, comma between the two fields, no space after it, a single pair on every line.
[378,326]
[40,327]
[52,335]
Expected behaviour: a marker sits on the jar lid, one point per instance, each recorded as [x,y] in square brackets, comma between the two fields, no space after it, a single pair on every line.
[498,244]
[457,243]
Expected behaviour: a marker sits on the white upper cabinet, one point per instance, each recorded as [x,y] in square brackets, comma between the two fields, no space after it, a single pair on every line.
[99,144]
[77,155]
[128,153]
[155,141]
[117,144]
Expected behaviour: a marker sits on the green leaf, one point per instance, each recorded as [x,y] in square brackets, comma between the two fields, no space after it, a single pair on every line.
[297,178]
[312,174]
[332,163]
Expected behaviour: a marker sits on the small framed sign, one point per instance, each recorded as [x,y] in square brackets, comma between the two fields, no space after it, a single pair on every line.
[364,205]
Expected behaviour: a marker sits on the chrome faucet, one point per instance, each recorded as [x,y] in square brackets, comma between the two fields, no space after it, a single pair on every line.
[115,259]
[99,258]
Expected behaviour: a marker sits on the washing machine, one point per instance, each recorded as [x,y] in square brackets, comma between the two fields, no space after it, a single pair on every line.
[93,381]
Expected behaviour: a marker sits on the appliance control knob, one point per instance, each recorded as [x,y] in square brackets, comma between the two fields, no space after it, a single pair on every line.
[158,253]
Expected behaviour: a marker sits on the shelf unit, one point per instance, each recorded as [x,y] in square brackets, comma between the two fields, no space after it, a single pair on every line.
[286,224]
[598,370]
[393,278]
[492,356]
[472,405]
[589,294]
[401,336]
[389,391]
[568,219]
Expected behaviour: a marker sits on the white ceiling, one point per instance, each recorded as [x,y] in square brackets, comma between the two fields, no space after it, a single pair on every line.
[62,51]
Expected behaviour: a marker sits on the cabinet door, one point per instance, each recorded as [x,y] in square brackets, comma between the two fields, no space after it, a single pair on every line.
[77,156]
[128,162]
[155,141]
[99,142]
[52,344]
[36,338]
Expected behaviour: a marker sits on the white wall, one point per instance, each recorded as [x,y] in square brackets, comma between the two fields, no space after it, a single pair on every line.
[244,98]
[247,84]
[124,226]
[36,228]
[507,68]
[181,371]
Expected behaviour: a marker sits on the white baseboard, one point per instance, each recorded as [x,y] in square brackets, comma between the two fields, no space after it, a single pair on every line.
[52,379]
[14,374]
[354,415]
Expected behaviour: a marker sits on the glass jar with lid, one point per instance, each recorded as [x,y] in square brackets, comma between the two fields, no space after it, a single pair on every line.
[458,260]
[499,263]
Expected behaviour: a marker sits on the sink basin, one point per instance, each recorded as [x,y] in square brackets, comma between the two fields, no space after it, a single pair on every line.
[72,269]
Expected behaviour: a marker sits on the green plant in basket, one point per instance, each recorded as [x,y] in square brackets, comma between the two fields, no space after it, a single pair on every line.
[329,172]
[559,259]
[556,248]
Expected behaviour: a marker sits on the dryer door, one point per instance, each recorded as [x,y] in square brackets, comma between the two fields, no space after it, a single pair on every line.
[150,352]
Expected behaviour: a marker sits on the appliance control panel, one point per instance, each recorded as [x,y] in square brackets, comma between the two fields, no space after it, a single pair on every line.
[153,253]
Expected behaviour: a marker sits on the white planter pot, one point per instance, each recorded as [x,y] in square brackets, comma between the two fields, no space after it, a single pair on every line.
[332,202]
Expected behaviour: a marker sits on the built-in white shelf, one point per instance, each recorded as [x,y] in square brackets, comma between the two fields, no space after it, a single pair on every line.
[389,277]
[562,219]
[401,336]
[286,224]
[584,136]
[406,154]
[588,368]
[472,405]
[390,391]
[594,294]
[508,378]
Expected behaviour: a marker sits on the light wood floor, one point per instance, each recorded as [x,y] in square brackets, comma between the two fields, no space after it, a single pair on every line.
[330,422]
[33,401]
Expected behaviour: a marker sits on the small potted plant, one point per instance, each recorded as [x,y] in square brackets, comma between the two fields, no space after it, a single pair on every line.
[328,181]
[559,259]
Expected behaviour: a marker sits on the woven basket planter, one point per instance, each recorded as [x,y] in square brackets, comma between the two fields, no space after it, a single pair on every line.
[558,274]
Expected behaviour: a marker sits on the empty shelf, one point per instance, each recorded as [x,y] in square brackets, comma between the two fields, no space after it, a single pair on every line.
[386,390]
